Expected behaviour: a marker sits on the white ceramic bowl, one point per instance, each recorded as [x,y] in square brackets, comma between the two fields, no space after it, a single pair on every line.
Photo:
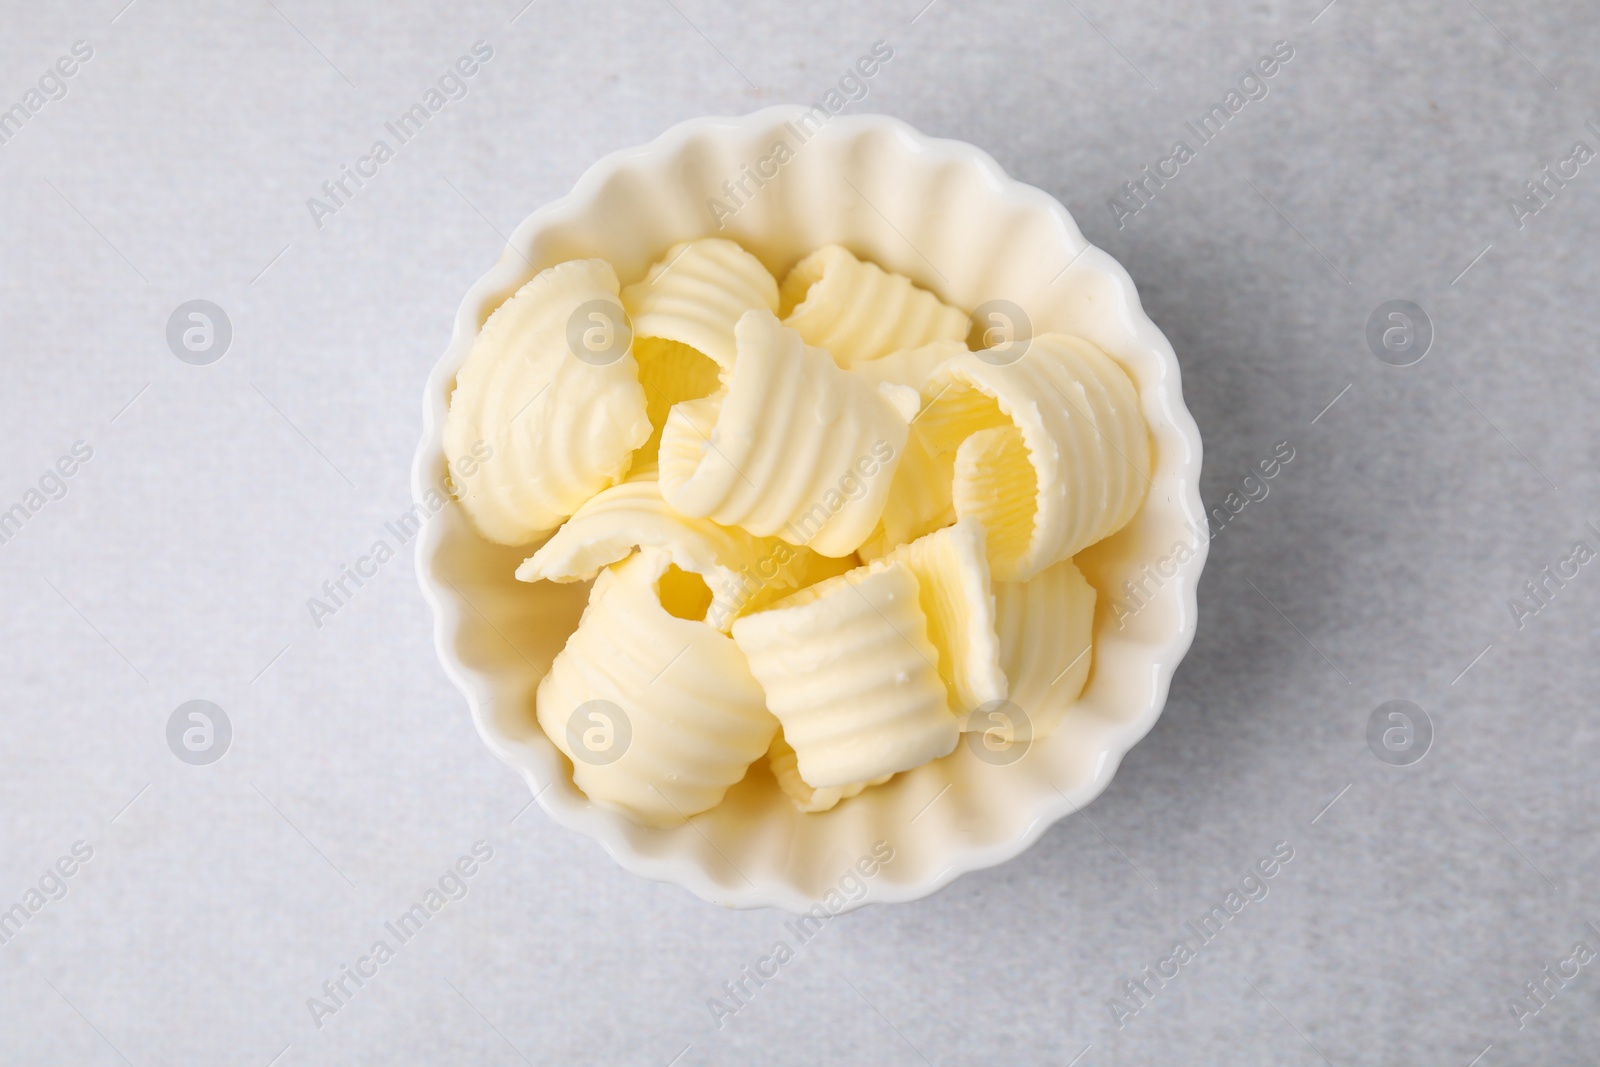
[945,214]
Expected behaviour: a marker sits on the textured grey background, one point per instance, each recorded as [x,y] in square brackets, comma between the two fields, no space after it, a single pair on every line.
[219,498]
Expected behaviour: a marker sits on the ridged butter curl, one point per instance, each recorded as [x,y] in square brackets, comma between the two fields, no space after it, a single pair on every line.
[695,717]
[683,313]
[859,311]
[1046,631]
[791,446]
[696,294]
[1051,452]
[742,571]
[533,431]
[849,671]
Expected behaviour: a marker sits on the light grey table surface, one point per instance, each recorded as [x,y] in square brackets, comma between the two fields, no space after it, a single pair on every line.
[1381,565]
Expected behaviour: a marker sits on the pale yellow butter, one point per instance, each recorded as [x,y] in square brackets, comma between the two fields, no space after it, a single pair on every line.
[674,695]
[849,671]
[791,447]
[827,540]
[859,311]
[557,428]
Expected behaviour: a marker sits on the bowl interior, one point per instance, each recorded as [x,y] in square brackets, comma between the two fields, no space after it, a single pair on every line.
[944,214]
